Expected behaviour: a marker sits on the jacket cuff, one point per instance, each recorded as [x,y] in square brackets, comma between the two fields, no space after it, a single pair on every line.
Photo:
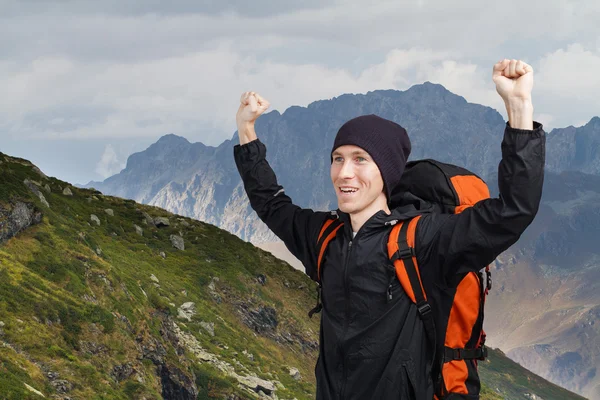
[251,150]
[537,128]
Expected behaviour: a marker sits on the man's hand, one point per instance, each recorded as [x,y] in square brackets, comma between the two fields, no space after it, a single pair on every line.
[514,81]
[252,106]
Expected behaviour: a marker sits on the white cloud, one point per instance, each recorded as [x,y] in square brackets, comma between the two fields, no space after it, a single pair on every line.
[567,85]
[196,95]
[573,72]
[200,91]
[545,119]
[109,163]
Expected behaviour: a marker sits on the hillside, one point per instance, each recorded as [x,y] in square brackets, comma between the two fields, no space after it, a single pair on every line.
[104,298]
[93,306]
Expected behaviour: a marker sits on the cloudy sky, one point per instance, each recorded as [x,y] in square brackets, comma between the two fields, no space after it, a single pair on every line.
[83,84]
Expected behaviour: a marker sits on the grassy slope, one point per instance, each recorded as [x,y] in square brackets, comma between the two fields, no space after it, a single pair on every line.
[46,270]
[50,274]
[514,381]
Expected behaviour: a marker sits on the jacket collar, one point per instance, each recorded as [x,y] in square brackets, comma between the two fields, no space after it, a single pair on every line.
[381,219]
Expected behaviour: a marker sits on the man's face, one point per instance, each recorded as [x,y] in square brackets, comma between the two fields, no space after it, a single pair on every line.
[357,181]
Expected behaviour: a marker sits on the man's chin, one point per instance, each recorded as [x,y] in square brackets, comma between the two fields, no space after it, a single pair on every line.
[345,207]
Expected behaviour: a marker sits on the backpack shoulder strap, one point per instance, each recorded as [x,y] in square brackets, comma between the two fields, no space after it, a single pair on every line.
[328,232]
[401,251]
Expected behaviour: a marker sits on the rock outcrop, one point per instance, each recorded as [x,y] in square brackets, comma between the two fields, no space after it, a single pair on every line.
[16,218]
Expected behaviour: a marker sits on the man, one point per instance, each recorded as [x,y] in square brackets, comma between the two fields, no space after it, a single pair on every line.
[374,346]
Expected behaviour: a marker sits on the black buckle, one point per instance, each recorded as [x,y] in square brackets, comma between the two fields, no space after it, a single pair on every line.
[407,252]
[489,280]
[456,354]
[424,309]
[484,353]
[451,354]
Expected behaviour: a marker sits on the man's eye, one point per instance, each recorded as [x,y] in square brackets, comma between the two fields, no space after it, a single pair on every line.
[361,159]
[338,159]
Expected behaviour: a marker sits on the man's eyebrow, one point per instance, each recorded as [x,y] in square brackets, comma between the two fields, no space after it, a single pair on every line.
[354,153]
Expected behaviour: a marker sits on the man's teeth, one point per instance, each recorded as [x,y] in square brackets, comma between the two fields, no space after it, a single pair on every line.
[348,190]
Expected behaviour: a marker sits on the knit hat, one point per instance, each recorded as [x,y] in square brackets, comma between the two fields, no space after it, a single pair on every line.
[384,140]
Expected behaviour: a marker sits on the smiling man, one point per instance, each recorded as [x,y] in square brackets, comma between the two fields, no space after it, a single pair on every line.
[373,341]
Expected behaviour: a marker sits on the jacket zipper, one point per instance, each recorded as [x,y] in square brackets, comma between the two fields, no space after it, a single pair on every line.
[392,268]
[347,322]
[389,290]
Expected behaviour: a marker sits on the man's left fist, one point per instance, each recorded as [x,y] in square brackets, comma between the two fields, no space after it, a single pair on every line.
[513,79]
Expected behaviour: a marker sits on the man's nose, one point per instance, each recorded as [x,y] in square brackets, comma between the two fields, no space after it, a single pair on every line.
[347,170]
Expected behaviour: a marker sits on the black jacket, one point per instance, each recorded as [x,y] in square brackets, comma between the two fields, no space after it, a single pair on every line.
[372,347]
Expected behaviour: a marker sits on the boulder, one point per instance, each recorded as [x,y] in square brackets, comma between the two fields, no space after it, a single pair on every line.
[177,242]
[208,327]
[160,222]
[187,310]
[95,219]
[33,186]
[67,192]
[148,220]
[110,212]
[21,216]
[138,230]
[294,373]
[262,279]
[257,384]
[39,172]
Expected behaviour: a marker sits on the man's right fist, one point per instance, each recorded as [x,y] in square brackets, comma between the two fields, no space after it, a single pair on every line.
[251,107]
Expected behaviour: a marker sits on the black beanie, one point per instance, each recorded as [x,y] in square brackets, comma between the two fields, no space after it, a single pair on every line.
[384,140]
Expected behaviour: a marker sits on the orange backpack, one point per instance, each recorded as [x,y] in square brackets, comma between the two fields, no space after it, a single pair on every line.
[453,316]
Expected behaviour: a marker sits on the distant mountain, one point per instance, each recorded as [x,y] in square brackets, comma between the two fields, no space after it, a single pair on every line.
[202,182]
[575,149]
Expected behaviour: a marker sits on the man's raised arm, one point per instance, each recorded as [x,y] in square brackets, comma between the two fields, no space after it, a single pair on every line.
[298,228]
[467,241]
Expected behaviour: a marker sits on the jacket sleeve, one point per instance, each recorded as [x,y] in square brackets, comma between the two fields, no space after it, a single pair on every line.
[469,241]
[298,228]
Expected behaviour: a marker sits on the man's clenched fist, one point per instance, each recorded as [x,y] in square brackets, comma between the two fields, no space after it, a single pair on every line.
[513,79]
[251,107]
